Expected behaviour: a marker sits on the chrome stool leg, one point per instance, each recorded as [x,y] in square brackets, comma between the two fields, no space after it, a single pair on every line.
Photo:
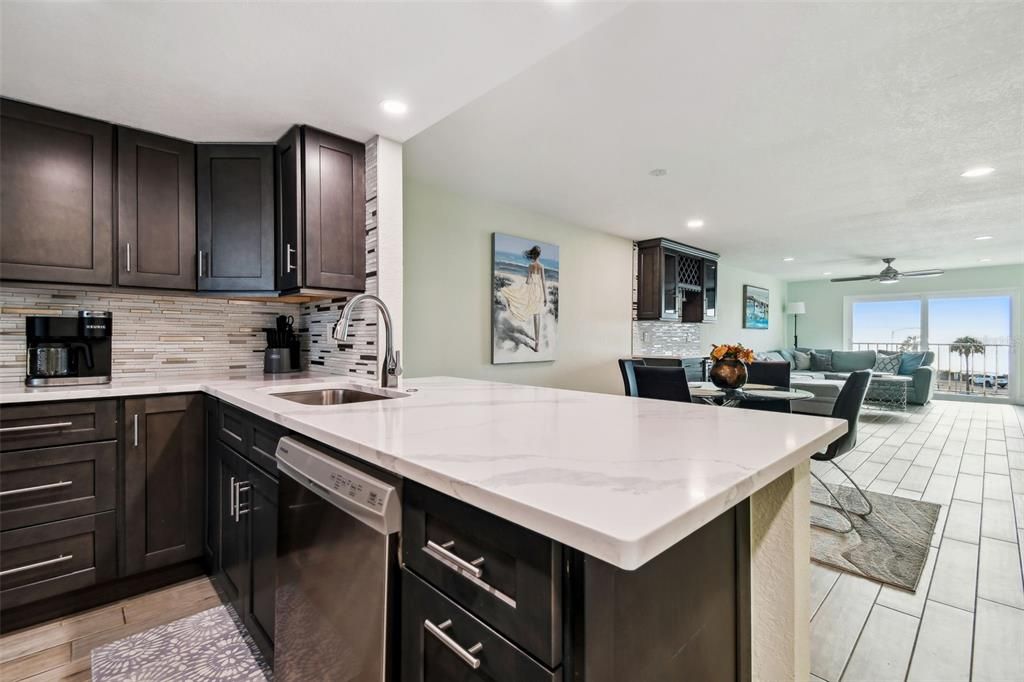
[839,508]
[857,488]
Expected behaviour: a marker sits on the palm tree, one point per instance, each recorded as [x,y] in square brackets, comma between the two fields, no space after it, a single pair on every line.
[965,347]
[910,343]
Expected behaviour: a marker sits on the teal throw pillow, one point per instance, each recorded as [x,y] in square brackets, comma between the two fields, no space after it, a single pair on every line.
[910,361]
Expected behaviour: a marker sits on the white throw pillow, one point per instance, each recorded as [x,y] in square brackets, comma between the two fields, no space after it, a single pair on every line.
[888,364]
[803,360]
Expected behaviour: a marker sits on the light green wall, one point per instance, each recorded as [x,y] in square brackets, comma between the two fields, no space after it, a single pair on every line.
[822,326]
[729,328]
[447,284]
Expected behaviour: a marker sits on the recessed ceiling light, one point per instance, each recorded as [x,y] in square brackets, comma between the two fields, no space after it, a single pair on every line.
[978,172]
[983,237]
[658,172]
[984,260]
[694,223]
[788,259]
[394,107]
[826,273]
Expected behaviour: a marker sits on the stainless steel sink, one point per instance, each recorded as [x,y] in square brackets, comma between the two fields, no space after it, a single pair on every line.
[333,396]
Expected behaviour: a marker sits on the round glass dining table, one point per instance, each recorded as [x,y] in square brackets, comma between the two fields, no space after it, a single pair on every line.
[707,392]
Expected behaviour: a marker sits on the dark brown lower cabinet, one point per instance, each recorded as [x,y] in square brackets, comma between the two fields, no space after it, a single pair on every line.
[163,476]
[248,544]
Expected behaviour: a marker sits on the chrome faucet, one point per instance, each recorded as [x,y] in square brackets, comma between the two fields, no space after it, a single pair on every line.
[391,368]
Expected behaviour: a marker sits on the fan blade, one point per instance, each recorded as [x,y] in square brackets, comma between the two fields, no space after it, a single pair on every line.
[923,273]
[861,278]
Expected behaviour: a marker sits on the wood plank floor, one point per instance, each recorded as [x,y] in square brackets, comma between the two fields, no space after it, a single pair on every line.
[966,620]
[61,649]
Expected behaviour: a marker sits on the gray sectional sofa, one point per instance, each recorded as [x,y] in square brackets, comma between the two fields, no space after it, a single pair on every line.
[825,385]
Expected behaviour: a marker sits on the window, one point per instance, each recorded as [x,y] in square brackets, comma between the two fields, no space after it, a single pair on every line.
[888,325]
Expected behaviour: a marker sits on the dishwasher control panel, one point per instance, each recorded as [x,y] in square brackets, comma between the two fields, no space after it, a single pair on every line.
[367,498]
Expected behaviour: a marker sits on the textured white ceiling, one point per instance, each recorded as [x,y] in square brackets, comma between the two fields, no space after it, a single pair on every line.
[239,71]
[834,133]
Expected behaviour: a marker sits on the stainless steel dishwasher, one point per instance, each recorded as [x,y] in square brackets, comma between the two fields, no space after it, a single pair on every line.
[337,568]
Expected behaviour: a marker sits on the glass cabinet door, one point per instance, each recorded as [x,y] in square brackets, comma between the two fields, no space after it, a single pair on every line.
[710,290]
[670,286]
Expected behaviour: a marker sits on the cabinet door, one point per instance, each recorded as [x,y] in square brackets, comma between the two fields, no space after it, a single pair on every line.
[648,293]
[163,470]
[235,217]
[710,291]
[56,196]
[258,506]
[288,159]
[156,211]
[234,542]
[335,212]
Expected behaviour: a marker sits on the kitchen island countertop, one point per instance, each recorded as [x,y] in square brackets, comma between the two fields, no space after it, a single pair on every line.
[622,479]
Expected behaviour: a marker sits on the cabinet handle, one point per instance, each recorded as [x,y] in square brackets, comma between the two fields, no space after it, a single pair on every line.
[35,488]
[34,427]
[231,498]
[471,567]
[128,265]
[200,262]
[39,564]
[288,267]
[135,429]
[465,654]
[239,489]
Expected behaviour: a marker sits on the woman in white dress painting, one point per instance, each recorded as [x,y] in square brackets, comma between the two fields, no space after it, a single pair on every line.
[530,298]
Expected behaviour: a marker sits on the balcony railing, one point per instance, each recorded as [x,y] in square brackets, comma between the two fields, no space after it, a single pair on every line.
[986,373]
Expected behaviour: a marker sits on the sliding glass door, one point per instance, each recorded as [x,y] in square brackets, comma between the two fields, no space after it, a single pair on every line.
[970,336]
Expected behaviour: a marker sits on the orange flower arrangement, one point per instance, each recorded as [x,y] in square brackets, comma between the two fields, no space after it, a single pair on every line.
[735,351]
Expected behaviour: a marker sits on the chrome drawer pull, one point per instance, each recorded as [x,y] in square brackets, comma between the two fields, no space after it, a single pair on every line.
[48,486]
[34,427]
[135,438]
[465,654]
[471,567]
[231,498]
[39,564]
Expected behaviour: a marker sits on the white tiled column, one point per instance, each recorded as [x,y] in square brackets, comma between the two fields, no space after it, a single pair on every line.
[780,578]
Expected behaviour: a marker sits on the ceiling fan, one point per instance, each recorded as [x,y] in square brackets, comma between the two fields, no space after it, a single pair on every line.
[890,275]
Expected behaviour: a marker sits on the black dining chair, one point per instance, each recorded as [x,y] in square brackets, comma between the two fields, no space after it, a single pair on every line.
[626,366]
[770,374]
[847,407]
[662,383]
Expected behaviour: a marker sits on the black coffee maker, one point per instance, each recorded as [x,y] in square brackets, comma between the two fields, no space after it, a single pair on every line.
[68,350]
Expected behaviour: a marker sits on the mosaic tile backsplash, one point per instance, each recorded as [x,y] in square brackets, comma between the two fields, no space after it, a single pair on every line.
[154,334]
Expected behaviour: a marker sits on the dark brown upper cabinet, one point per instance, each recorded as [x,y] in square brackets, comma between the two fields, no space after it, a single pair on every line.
[163,439]
[235,217]
[676,282]
[322,203]
[56,193]
[156,211]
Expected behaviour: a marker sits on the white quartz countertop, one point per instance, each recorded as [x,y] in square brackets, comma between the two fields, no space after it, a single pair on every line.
[622,479]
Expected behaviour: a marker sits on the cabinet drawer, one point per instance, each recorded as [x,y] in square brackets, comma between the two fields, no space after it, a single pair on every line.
[504,574]
[263,450]
[234,427]
[50,484]
[441,642]
[39,426]
[46,560]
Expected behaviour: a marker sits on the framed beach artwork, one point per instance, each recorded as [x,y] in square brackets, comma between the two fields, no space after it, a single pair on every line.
[755,307]
[524,300]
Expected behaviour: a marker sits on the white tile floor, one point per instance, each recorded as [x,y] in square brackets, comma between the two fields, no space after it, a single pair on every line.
[966,620]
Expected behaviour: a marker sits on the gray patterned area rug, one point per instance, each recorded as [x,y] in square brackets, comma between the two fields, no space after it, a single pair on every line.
[889,545]
[206,646]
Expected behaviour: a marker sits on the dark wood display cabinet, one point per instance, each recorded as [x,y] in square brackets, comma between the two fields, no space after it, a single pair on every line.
[322,209]
[676,282]
[235,217]
[56,196]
